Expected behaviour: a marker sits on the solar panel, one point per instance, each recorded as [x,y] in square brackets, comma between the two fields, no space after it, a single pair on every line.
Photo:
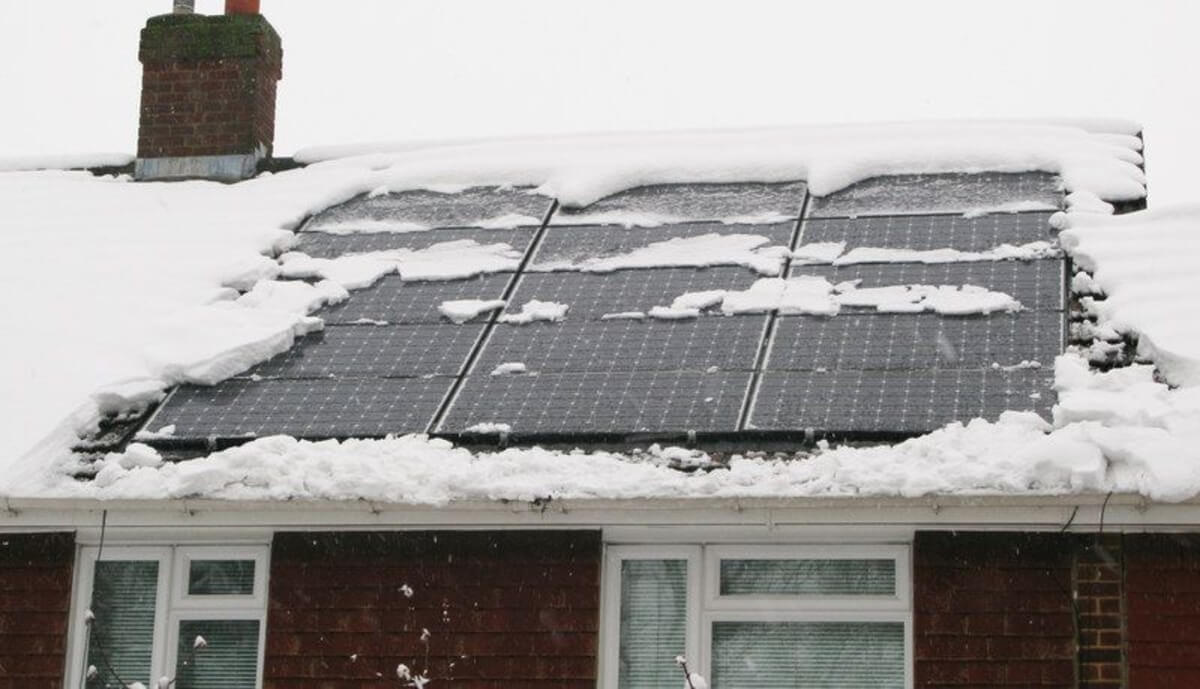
[618,403]
[241,408]
[845,401]
[940,193]
[928,232]
[680,202]
[392,300]
[728,344]
[325,245]
[591,295]
[915,341]
[362,351]
[1038,285]
[473,207]
[571,243]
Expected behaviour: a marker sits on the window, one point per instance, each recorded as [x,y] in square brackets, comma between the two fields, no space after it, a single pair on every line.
[758,616]
[195,615]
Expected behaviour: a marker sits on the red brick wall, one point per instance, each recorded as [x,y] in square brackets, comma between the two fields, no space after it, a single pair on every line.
[504,609]
[993,610]
[35,601]
[1099,576]
[207,107]
[1162,587]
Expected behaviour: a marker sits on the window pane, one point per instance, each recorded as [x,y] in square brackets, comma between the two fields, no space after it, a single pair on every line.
[221,578]
[828,655]
[653,623]
[808,577]
[121,640]
[229,660]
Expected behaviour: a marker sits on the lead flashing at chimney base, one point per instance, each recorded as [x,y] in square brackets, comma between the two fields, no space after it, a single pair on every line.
[208,96]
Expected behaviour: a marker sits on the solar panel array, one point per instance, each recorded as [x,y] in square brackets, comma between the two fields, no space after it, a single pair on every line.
[390,362]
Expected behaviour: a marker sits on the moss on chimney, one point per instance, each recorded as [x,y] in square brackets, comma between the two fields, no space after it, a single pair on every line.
[182,37]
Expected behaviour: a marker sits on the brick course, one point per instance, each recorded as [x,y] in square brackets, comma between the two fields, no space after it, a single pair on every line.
[35,601]
[992,610]
[513,609]
[208,86]
[1162,588]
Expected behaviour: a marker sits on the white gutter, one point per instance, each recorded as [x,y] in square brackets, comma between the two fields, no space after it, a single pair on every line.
[1076,512]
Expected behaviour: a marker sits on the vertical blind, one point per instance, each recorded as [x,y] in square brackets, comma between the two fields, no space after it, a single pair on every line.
[221,578]
[876,577]
[121,643]
[229,659]
[813,655]
[653,623]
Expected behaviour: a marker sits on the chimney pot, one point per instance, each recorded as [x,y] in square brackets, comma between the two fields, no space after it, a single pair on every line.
[242,7]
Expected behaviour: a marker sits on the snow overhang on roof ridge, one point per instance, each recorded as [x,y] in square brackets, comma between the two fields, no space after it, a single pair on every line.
[1100,157]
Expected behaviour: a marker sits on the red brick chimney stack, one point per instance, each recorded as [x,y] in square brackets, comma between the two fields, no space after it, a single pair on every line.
[208,94]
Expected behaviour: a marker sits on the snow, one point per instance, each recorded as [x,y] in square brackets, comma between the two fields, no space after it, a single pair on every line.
[463,310]
[812,295]
[700,251]
[125,289]
[1013,207]
[581,169]
[536,310]
[1004,252]
[489,427]
[63,161]
[509,368]
[454,260]
[1146,265]
[1111,436]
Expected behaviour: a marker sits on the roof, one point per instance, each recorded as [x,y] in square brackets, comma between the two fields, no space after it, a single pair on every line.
[845,283]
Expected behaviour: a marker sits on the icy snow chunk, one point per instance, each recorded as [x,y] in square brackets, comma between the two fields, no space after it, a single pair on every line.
[699,300]
[453,260]
[671,313]
[699,251]
[817,253]
[624,316]
[463,310]
[165,432]
[352,272]
[536,310]
[1004,252]
[805,294]
[509,368]
[244,273]
[490,428]
[1011,207]
[127,395]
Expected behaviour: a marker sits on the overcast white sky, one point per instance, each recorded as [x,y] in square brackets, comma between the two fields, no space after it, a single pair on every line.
[361,70]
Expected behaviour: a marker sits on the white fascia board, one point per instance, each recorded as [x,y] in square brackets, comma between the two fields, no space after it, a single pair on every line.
[1082,512]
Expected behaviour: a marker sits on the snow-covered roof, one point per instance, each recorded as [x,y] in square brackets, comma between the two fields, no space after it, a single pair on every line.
[197,282]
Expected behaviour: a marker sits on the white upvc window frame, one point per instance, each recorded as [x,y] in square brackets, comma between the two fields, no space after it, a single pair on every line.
[173,604]
[705,605]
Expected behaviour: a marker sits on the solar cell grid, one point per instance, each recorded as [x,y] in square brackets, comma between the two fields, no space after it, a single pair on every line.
[679,202]
[592,295]
[303,408]
[940,193]
[364,351]
[929,232]
[1037,285]
[324,245]
[729,344]
[915,341]
[397,302]
[846,401]
[637,402]
[574,243]
[419,208]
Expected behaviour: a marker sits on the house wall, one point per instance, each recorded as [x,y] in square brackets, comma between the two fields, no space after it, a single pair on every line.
[506,609]
[35,602]
[992,610]
[1162,587]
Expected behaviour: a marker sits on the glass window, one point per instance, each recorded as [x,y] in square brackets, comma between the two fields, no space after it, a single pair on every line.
[876,577]
[821,655]
[653,622]
[221,578]
[217,654]
[124,602]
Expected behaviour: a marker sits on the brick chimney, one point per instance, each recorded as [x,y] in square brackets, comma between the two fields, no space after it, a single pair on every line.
[208,93]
